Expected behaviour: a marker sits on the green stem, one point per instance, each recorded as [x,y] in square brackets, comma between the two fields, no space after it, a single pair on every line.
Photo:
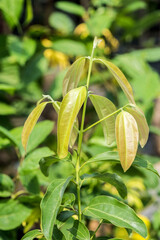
[81,138]
[102,119]
[96,229]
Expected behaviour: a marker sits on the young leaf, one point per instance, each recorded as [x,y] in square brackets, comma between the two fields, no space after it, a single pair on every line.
[118,213]
[104,107]
[79,231]
[6,185]
[74,132]
[69,109]
[113,156]
[30,123]
[32,235]
[119,76]
[50,205]
[73,75]
[113,179]
[127,138]
[141,122]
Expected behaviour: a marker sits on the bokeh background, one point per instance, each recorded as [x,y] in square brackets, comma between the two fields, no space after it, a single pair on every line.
[39,40]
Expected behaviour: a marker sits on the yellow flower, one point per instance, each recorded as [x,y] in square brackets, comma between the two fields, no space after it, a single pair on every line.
[46,42]
[82,30]
[56,58]
[122,233]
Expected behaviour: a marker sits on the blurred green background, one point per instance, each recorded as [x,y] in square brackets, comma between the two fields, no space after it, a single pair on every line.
[39,40]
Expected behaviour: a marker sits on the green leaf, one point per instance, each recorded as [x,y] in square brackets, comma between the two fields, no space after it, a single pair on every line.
[68,199]
[30,123]
[134,6]
[70,47]
[141,122]
[155,130]
[50,205]
[21,49]
[73,75]
[118,213]
[32,235]
[69,109]
[29,172]
[29,12]
[113,156]
[101,20]
[8,235]
[71,8]
[119,76]
[35,68]
[12,214]
[64,226]
[7,88]
[6,185]
[6,109]
[9,73]
[79,231]
[116,239]
[4,132]
[61,22]
[12,10]
[104,107]
[57,234]
[63,217]
[46,162]
[112,179]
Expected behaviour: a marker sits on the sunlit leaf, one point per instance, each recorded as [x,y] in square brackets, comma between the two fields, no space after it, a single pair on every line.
[12,10]
[61,22]
[29,12]
[74,132]
[119,76]
[32,235]
[104,107]
[50,205]
[70,47]
[101,20]
[30,123]
[69,109]
[116,212]
[71,7]
[73,75]
[6,109]
[141,122]
[127,138]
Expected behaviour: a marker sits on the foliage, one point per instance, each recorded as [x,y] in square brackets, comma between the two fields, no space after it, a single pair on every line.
[101,207]
[36,58]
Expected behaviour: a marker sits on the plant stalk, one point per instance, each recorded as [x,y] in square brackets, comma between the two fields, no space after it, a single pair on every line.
[104,118]
[81,138]
[96,229]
